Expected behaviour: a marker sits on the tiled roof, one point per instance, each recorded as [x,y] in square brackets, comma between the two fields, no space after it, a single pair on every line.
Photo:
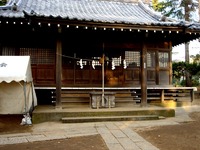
[87,10]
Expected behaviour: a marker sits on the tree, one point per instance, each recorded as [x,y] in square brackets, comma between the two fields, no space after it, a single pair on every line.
[155,4]
[192,69]
[178,69]
[199,10]
[195,58]
[179,9]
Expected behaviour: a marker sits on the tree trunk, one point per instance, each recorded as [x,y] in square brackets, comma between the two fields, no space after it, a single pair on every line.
[199,10]
[187,60]
[187,55]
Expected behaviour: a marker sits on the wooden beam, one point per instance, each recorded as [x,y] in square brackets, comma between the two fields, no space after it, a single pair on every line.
[82,23]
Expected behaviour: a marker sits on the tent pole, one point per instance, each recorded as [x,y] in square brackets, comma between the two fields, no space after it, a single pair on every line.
[32,87]
[25,97]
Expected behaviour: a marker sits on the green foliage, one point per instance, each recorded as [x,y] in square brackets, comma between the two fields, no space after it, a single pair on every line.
[179,9]
[179,70]
[183,83]
[155,4]
[196,58]
[193,68]
[2,2]
[195,81]
[169,8]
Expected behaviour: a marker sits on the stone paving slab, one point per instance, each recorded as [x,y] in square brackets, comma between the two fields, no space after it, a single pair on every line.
[14,135]
[111,126]
[34,138]
[133,135]
[146,146]
[13,140]
[115,146]
[117,135]
[109,138]
[128,144]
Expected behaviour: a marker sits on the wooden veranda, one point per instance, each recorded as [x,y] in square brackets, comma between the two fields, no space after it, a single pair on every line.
[88,46]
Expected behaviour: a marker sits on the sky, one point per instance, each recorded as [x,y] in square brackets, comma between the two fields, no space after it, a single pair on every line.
[178,52]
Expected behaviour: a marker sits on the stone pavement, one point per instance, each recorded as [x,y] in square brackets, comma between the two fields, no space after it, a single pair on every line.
[117,135]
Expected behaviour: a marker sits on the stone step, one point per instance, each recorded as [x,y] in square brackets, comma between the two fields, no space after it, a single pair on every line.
[50,113]
[108,118]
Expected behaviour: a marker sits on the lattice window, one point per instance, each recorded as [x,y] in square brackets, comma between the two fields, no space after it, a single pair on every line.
[132,58]
[84,62]
[96,61]
[39,56]
[163,59]
[117,61]
[151,59]
[8,51]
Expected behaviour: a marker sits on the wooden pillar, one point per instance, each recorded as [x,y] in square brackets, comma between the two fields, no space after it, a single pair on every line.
[192,95]
[58,70]
[170,65]
[187,60]
[157,67]
[144,75]
[162,95]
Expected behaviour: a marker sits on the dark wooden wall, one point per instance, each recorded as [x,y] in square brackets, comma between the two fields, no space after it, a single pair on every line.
[87,44]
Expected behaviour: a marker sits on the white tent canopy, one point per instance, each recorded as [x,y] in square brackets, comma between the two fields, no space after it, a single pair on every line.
[15,68]
[17,94]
